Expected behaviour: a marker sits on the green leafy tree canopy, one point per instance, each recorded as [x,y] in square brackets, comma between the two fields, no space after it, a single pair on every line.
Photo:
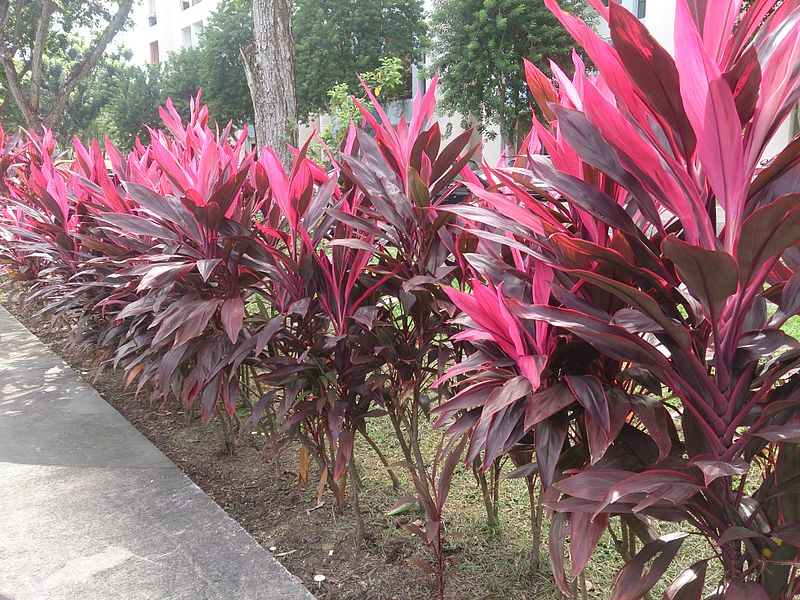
[227,34]
[335,39]
[478,47]
[37,36]
[385,82]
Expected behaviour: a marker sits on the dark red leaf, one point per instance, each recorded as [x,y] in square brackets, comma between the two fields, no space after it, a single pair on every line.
[656,419]
[711,275]
[555,544]
[689,583]
[547,402]
[780,433]
[766,233]
[735,533]
[714,469]
[652,69]
[636,579]
[550,436]
[744,590]
[584,535]
[232,316]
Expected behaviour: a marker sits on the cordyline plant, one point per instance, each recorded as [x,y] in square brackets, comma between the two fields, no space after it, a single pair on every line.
[146,258]
[640,354]
[618,306]
[353,262]
[405,175]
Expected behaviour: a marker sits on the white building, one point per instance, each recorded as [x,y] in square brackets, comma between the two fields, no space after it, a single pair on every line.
[164,26]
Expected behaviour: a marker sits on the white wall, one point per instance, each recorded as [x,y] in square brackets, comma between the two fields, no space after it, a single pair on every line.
[168,30]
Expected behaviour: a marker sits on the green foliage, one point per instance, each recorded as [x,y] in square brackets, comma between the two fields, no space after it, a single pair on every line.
[133,105]
[227,33]
[90,97]
[70,16]
[75,30]
[478,46]
[86,103]
[335,39]
[215,65]
[181,78]
[386,83]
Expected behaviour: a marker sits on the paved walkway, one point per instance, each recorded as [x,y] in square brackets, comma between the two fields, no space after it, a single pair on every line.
[91,510]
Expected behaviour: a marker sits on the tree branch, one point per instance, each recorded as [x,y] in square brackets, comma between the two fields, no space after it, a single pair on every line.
[84,67]
[18,93]
[35,100]
[4,4]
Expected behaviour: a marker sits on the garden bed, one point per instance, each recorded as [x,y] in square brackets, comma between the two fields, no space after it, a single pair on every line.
[313,541]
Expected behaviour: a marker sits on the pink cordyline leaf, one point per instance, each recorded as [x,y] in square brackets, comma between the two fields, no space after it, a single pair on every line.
[711,109]
[715,22]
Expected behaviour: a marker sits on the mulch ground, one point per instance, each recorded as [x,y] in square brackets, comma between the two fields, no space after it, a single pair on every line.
[268,504]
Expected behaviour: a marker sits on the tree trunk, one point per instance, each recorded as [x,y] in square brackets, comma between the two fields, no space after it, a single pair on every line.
[270,76]
[507,138]
[30,103]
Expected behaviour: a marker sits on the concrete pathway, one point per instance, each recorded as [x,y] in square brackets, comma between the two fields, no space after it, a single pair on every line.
[91,510]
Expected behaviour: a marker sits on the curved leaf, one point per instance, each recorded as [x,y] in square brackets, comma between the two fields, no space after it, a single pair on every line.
[711,275]
[636,579]
[688,585]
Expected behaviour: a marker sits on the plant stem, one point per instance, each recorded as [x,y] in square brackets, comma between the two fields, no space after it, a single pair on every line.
[355,502]
[382,458]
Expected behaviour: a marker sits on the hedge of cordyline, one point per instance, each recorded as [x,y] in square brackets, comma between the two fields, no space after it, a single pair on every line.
[615,331]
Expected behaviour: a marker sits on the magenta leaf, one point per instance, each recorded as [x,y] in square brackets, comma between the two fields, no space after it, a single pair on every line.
[653,70]
[711,110]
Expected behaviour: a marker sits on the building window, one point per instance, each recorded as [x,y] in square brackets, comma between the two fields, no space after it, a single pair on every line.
[195,2]
[641,8]
[186,37]
[151,19]
[197,31]
[154,53]
[185,4]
